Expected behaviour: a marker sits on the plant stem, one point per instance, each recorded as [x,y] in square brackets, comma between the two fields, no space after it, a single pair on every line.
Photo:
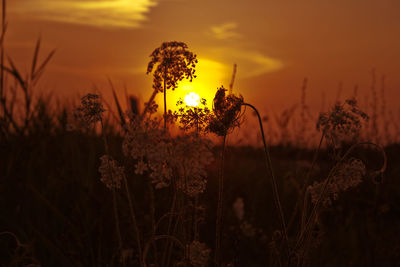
[134,221]
[115,207]
[165,98]
[218,230]
[311,219]
[275,192]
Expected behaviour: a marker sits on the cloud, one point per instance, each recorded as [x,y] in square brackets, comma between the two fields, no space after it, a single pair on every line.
[99,13]
[225,31]
[250,62]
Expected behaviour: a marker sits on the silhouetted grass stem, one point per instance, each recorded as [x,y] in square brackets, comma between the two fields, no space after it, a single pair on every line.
[218,230]
[275,192]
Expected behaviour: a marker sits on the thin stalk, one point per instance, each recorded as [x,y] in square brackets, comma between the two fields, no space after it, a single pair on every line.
[170,218]
[159,237]
[165,98]
[153,222]
[311,219]
[3,31]
[304,190]
[218,230]
[115,207]
[134,221]
[275,192]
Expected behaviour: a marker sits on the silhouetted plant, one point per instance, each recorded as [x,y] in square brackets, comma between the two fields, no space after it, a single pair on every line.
[171,63]
[225,117]
[193,117]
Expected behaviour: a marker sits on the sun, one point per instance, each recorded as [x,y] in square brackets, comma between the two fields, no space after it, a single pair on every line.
[192,99]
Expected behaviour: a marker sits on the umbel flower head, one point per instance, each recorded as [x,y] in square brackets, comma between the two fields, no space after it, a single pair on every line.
[192,154]
[226,112]
[111,172]
[89,111]
[343,121]
[171,63]
[193,117]
[151,147]
[347,175]
[159,155]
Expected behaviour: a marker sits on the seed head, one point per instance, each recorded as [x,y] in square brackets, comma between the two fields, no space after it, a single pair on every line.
[226,113]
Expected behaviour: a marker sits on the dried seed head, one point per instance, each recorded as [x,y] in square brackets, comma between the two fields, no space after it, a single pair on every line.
[226,113]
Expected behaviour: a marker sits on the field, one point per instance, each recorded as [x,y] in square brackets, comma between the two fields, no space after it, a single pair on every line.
[95,185]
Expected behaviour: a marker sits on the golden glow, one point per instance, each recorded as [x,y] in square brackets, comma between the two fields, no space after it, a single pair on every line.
[210,75]
[192,99]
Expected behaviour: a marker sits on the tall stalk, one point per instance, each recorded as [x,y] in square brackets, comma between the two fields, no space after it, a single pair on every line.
[275,192]
[134,221]
[165,98]
[3,31]
[114,194]
[218,230]
[306,230]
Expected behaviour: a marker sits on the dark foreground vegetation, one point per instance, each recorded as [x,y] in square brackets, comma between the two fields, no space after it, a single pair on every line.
[58,213]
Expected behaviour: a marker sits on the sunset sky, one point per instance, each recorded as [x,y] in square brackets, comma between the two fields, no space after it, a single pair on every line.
[276,44]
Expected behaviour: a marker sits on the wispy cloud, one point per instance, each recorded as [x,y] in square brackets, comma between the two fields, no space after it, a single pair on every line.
[225,31]
[250,62]
[100,13]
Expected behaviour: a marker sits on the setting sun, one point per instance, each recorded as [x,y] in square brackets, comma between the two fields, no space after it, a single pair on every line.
[192,99]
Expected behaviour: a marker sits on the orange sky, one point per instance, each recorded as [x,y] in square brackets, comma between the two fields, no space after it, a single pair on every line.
[275,44]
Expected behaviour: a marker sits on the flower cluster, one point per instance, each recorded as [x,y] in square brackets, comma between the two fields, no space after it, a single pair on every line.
[151,146]
[193,117]
[161,155]
[89,111]
[343,121]
[199,254]
[348,174]
[172,62]
[111,172]
[192,154]
[226,112]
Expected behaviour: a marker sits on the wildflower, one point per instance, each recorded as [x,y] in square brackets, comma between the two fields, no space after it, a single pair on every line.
[174,61]
[199,254]
[89,111]
[193,117]
[347,175]
[151,146]
[111,172]
[344,121]
[191,157]
[226,112]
